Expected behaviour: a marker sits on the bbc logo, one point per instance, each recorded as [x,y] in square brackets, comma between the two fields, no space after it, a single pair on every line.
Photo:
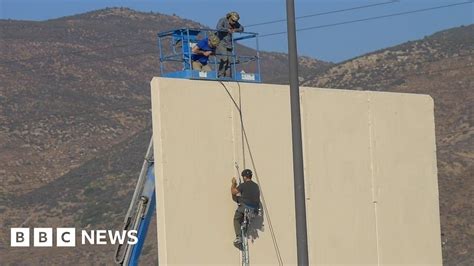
[43,237]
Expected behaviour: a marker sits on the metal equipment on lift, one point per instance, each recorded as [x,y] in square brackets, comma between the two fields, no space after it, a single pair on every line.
[249,215]
[175,47]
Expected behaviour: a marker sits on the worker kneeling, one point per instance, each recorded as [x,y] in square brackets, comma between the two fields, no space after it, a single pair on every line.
[201,52]
[248,199]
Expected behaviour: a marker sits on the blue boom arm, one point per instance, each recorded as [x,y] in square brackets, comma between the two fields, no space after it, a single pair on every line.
[139,213]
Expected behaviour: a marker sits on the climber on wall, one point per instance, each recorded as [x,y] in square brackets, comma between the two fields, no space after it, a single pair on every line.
[248,197]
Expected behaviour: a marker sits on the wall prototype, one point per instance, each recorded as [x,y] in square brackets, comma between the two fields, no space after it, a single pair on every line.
[370,169]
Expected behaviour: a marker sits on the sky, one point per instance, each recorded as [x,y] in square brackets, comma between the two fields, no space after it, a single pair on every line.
[331,37]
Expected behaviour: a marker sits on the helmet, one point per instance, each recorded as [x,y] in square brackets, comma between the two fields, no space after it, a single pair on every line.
[247,173]
[213,40]
[234,16]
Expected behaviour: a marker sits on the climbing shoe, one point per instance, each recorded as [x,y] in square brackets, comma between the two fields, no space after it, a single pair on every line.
[238,243]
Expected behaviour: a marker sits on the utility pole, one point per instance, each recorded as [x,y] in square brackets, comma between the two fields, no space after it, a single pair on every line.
[298,170]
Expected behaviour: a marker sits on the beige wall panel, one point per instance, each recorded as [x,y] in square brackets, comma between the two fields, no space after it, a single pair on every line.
[405,172]
[267,149]
[193,154]
[340,212]
[197,137]
[369,162]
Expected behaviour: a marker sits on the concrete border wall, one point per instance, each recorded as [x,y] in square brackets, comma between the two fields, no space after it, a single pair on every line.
[370,166]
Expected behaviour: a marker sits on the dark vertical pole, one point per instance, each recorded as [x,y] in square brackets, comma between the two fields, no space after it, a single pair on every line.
[300,205]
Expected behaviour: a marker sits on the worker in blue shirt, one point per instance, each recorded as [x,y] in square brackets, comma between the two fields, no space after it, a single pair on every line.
[225,27]
[201,52]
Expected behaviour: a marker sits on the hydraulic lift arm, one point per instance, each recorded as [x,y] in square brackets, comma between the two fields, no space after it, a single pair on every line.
[140,212]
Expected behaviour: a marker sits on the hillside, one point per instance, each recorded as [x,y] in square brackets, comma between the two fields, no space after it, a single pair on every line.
[75,120]
[441,65]
[74,93]
[82,79]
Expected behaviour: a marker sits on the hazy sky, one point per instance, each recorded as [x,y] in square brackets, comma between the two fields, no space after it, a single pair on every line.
[331,43]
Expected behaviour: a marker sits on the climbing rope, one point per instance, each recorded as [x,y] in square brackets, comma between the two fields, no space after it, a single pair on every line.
[264,204]
[241,127]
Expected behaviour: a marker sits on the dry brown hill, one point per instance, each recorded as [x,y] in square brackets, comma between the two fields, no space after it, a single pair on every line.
[441,65]
[75,121]
[74,86]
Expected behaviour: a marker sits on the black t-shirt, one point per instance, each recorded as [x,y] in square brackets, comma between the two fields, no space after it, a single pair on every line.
[249,193]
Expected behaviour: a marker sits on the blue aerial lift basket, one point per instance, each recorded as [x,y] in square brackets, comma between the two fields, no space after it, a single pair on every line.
[175,47]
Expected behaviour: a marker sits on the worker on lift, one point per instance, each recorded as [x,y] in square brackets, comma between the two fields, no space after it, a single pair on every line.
[248,197]
[201,52]
[226,26]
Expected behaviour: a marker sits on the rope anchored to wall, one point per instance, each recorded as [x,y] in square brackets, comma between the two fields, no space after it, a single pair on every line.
[245,143]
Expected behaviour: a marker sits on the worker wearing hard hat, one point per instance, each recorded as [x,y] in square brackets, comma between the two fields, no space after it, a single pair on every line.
[226,26]
[201,52]
[248,194]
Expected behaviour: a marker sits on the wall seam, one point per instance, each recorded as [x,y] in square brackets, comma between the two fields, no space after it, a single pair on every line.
[233,114]
[307,180]
[372,173]
[234,138]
